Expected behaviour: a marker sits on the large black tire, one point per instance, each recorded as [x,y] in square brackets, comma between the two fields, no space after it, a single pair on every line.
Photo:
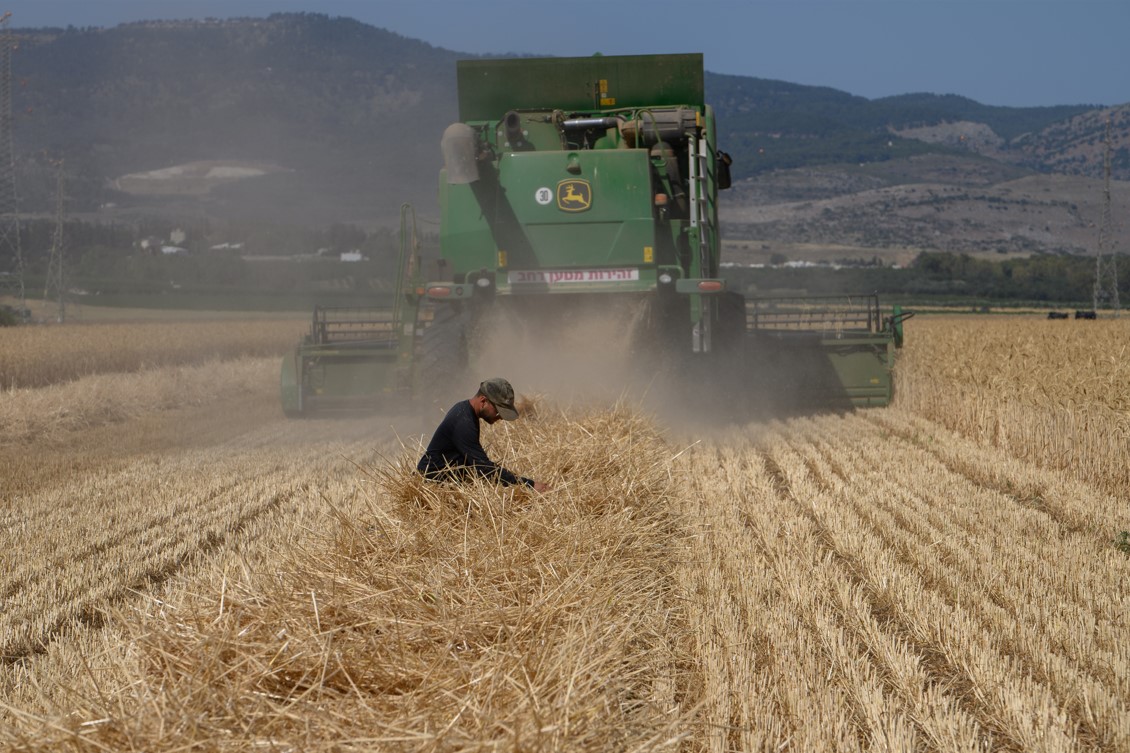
[441,355]
[713,386]
[731,322]
[290,387]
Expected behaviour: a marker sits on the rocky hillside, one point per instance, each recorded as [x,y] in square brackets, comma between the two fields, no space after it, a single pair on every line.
[927,202]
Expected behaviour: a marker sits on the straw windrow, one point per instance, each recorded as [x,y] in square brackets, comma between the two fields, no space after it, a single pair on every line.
[434,617]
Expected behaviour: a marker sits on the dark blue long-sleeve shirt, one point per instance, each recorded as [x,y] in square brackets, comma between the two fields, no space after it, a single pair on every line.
[455,451]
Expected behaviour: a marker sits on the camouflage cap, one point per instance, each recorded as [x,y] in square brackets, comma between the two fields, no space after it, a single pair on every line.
[501,395]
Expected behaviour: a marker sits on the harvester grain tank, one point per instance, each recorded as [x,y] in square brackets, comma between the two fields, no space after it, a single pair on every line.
[569,180]
[578,184]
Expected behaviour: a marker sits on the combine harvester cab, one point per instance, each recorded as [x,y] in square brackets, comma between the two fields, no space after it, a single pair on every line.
[358,357]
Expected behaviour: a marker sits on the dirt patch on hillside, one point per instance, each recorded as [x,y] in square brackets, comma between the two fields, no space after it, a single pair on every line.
[192,178]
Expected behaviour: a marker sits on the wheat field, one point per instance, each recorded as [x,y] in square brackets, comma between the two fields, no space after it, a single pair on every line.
[944,574]
[36,356]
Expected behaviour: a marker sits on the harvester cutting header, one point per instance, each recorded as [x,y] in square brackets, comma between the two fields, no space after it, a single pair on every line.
[578,184]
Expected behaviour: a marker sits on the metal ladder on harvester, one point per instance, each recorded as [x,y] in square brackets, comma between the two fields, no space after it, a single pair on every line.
[703,233]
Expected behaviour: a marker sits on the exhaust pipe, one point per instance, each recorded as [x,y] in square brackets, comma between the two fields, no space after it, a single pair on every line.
[512,124]
[460,146]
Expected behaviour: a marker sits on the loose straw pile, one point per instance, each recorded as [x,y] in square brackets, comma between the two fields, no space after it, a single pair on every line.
[433,617]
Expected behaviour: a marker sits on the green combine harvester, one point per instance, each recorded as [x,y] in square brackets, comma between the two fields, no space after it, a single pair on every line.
[576,184]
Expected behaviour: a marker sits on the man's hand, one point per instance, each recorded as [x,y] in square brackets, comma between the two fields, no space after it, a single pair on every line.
[540,488]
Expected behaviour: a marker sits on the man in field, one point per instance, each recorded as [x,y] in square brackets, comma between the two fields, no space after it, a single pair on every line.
[455,452]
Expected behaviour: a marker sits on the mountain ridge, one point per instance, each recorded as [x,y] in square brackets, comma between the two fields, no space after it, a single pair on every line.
[348,116]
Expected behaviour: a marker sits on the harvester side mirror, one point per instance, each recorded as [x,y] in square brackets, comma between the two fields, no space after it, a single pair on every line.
[724,162]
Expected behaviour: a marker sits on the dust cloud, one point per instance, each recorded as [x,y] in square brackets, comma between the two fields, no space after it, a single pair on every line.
[609,353]
[581,357]
[593,353]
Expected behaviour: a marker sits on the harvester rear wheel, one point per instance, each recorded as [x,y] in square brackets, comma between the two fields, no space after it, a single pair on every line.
[441,354]
[731,322]
[290,387]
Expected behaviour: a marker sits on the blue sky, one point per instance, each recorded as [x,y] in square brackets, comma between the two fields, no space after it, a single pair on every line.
[998,52]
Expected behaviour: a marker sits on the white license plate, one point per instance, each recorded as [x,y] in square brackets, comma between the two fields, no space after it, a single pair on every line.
[571,276]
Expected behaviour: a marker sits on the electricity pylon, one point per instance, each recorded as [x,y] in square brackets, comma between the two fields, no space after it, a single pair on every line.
[11,257]
[1106,261]
[55,287]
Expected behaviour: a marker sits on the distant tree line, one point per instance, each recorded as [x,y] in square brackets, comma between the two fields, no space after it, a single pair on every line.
[1043,278]
[142,257]
[118,257]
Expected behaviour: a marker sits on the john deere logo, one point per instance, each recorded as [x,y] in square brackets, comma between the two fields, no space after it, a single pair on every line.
[574,195]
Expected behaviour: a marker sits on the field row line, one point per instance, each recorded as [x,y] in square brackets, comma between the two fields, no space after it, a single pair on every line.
[1075,504]
[986,529]
[1024,708]
[83,591]
[822,656]
[971,520]
[1019,611]
[169,526]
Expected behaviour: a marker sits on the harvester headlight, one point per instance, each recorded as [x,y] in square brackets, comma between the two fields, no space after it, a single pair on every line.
[666,278]
[450,290]
[483,282]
